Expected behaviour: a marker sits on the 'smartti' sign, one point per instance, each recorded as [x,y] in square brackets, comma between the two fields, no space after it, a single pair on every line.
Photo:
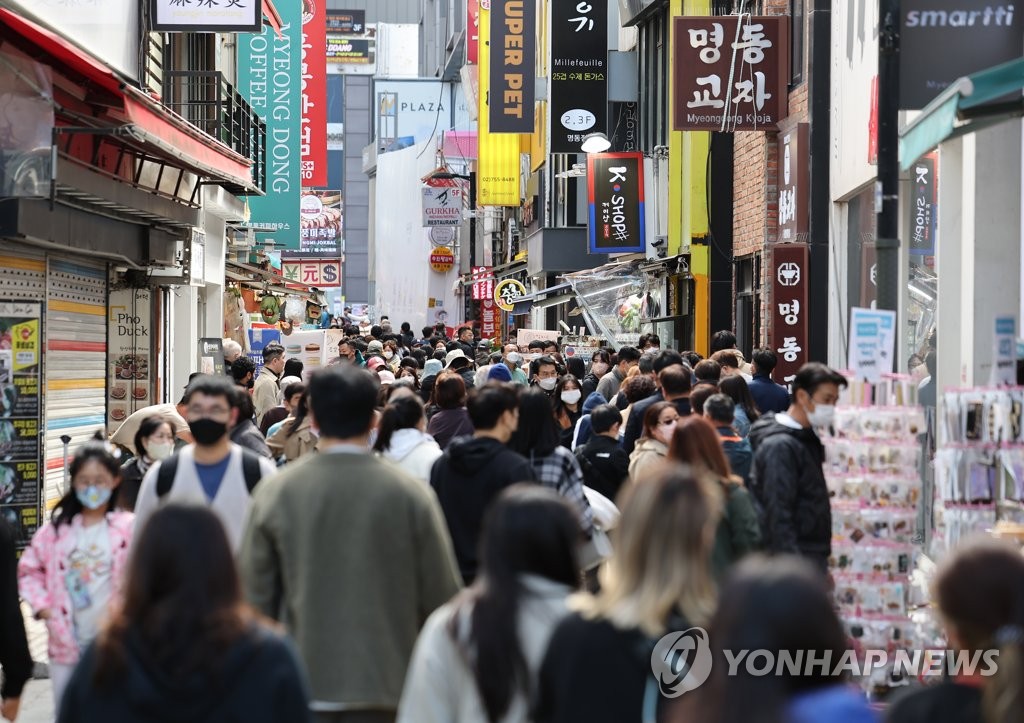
[789,284]
[730,72]
[513,57]
[442,206]
[615,197]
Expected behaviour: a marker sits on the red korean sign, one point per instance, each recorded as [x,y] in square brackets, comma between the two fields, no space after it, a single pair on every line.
[490,319]
[472,30]
[313,138]
[789,287]
[483,283]
[730,72]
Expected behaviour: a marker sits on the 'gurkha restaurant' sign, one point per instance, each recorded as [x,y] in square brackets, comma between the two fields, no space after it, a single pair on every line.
[729,78]
[615,198]
[513,60]
[579,72]
[789,285]
[229,16]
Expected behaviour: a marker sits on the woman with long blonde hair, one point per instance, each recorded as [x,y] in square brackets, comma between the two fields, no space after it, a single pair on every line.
[598,664]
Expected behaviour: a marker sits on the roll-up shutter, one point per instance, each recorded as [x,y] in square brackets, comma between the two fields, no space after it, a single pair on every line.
[22,275]
[76,358]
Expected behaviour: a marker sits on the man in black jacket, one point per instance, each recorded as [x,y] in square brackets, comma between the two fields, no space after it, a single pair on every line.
[604,463]
[787,479]
[474,470]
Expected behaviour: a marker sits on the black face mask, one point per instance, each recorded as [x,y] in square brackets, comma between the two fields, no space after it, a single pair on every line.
[250,384]
[207,431]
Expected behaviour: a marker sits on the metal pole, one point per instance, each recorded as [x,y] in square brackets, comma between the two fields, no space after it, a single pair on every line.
[887,245]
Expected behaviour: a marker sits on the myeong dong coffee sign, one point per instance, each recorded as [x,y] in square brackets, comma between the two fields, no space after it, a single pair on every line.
[730,72]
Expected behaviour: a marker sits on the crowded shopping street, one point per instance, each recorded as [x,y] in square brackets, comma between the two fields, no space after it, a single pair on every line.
[511,361]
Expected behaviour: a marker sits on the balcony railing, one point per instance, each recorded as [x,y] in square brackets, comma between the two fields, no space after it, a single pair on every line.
[210,103]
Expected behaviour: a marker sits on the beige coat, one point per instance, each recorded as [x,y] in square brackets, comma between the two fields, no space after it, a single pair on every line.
[299,444]
[648,455]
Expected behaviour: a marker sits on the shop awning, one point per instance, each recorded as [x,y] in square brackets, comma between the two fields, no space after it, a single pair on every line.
[964,107]
[544,298]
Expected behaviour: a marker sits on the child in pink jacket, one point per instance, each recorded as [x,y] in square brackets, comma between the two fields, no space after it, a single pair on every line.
[73,571]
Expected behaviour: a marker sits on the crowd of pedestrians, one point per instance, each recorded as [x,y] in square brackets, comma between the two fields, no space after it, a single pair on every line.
[428,530]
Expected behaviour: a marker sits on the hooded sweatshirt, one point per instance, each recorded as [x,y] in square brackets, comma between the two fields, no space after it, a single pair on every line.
[414,451]
[467,478]
[260,681]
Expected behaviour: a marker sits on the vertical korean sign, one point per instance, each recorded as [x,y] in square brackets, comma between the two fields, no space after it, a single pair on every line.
[794,183]
[129,352]
[730,73]
[615,201]
[20,355]
[313,148]
[472,30]
[269,77]
[579,72]
[513,65]
[789,285]
[924,210]
[498,165]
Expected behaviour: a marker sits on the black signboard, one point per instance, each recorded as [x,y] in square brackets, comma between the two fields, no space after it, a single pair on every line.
[625,136]
[513,66]
[348,22]
[349,50]
[615,199]
[579,72]
[924,208]
[984,35]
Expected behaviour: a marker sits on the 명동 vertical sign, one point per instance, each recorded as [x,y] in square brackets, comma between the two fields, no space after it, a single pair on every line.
[794,182]
[924,210]
[513,60]
[313,148]
[730,72]
[615,202]
[579,72]
[269,77]
[789,285]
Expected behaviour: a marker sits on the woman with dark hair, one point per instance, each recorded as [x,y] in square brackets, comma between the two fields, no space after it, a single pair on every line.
[600,363]
[184,646]
[575,366]
[451,419]
[651,449]
[737,388]
[477,657]
[293,368]
[402,437]
[71,574]
[979,591]
[566,403]
[695,442]
[154,441]
[775,604]
[295,438]
[537,439]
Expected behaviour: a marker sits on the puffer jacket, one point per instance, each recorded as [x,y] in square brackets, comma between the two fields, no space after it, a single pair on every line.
[788,484]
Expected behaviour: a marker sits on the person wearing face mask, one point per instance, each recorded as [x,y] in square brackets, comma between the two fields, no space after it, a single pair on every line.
[600,363]
[650,452]
[154,441]
[546,374]
[787,479]
[214,471]
[568,409]
[267,389]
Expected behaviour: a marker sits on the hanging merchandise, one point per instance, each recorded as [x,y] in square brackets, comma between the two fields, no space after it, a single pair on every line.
[236,321]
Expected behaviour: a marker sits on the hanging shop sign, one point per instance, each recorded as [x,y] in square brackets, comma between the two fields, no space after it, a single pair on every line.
[313,146]
[441,235]
[442,259]
[730,72]
[615,199]
[984,35]
[211,356]
[924,209]
[490,319]
[270,79]
[129,352]
[442,206]
[483,283]
[579,72]
[625,136]
[346,21]
[472,30]
[498,164]
[794,183]
[789,285]
[236,16]
[303,274]
[321,222]
[872,343]
[20,423]
[513,61]
[507,293]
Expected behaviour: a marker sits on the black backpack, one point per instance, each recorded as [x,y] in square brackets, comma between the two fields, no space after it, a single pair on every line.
[251,470]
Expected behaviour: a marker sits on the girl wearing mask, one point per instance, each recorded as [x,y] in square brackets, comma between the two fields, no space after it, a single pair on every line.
[391,355]
[568,407]
[652,447]
[72,572]
[154,441]
[600,363]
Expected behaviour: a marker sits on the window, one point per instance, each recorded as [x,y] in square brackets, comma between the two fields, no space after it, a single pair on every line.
[748,303]
[654,41]
[797,34]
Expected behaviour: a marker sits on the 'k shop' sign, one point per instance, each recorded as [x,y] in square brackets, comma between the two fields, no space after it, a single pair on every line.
[615,191]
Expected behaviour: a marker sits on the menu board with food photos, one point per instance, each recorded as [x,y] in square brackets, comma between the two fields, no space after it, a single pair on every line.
[20,424]
[129,348]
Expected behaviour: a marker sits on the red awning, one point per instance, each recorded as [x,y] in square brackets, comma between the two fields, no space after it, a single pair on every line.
[155,128]
[272,16]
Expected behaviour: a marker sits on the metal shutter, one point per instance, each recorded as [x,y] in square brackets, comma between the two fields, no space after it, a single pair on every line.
[76,361]
[22,275]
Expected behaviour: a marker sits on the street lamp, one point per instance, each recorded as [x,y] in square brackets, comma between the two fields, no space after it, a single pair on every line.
[595,143]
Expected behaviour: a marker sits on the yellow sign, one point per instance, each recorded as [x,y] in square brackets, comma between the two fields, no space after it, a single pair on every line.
[442,259]
[507,293]
[498,162]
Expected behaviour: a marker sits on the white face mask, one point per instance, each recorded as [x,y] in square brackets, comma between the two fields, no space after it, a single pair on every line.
[572,396]
[822,416]
[547,384]
[388,354]
[158,451]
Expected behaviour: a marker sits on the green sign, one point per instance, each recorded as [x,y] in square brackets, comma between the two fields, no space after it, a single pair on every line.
[270,78]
